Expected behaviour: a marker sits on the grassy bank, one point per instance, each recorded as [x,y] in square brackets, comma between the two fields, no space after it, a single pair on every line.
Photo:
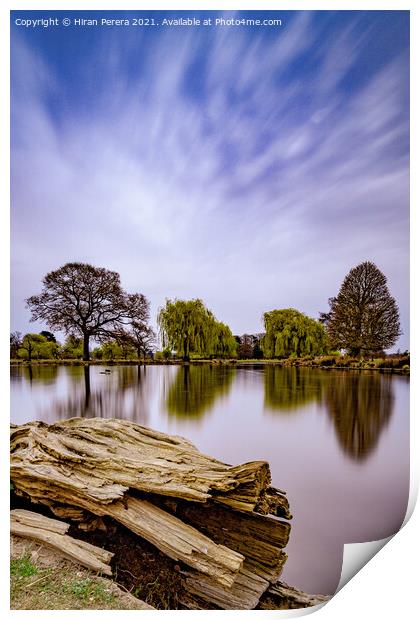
[390,364]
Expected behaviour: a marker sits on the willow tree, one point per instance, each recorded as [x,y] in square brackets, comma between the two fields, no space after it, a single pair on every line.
[363,318]
[186,326]
[291,333]
[223,343]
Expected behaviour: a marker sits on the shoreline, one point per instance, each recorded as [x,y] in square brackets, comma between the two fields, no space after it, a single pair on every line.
[405,370]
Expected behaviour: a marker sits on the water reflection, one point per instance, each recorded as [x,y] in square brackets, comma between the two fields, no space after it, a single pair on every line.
[360,406]
[35,373]
[122,392]
[288,389]
[196,388]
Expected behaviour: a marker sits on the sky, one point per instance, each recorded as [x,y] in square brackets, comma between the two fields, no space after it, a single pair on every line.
[249,166]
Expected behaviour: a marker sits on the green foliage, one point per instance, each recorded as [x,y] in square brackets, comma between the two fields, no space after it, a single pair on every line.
[189,328]
[73,348]
[290,333]
[23,567]
[111,350]
[88,589]
[222,343]
[185,326]
[36,346]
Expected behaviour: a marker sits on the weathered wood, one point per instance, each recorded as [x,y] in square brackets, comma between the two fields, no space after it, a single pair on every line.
[282,596]
[34,519]
[69,512]
[178,540]
[103,458]
[170,535]
[50,532]
[260,538]
[245,593]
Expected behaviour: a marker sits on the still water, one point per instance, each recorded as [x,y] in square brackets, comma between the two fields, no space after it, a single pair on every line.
[337,441]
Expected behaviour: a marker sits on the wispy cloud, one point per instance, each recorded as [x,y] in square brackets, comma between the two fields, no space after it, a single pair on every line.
[247,168]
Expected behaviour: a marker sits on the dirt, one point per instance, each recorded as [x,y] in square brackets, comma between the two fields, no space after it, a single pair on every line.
[42,579]
[137,565]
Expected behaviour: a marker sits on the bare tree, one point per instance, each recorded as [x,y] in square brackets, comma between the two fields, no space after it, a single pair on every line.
[140,336]
[87,301]
[15,344]
[363,318]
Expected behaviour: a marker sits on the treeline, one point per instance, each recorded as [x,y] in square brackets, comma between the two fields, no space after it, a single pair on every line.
[88,304]
[44,346]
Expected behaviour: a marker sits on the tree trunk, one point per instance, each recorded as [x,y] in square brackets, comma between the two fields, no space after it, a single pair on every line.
[85,347]
[87,386]
[186,357]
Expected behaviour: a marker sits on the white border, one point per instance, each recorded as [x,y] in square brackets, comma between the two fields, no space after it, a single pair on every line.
[387,585]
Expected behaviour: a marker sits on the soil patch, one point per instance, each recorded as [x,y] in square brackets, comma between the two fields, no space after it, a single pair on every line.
[40,578]
[137,565]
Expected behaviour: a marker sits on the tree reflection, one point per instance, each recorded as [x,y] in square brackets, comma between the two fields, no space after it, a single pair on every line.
[196,388]
[287,389]
[360,405]
[122,392]
[36,373]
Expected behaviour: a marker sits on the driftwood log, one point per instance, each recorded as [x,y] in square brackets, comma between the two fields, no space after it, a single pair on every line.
[224,524]
[52,533]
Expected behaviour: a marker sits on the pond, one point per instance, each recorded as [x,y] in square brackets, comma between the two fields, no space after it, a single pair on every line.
[337,441]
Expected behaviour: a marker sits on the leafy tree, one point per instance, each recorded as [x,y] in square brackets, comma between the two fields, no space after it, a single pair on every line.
[15,344]
[86,301]
[37,346]
[111,350]
[363,318]
[73,347]
[186,326]
[222,343]
[29,345]
[48,335]
[291,333]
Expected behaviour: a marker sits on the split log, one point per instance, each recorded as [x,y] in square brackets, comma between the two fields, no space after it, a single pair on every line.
[245,593]
[259,538]
[52,533]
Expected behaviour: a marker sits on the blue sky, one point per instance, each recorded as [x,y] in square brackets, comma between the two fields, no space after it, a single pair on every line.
[250,166]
